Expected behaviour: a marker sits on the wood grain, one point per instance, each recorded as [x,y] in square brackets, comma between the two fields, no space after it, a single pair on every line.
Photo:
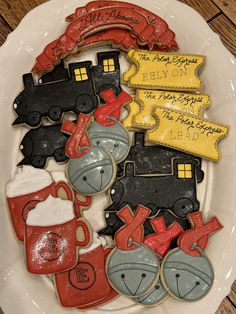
[226,307]
[226,30]
[228,7]
[5,29]
[14,11]
[206,8]
[232,295]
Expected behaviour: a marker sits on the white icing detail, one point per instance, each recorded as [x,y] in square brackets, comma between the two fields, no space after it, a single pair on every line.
[40,81]
[107,215]
[59,176]
[52,211]
[27,181]
[95,243]
[15,106]
[21,147]
[113,191]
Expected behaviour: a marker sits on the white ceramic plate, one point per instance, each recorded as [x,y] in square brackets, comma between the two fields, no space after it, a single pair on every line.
[21,292]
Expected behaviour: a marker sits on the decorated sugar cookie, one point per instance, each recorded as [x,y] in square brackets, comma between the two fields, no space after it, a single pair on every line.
[53,235]
[160,241]
[186,277]
[52,100]
[107,131]
[132,268]
[187,133]
[133,109]
[162,38]
[175,191]
[198,234]
[157,159]
[147,99]
[91,169]
[109,17]
[81,202]
[106,74]
[186,272]
[41,143]
[29,187]
[86,284]
[157,70]
[154,297]
[162,32]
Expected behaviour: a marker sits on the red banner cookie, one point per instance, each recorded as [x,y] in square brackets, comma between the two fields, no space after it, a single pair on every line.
[103,18]
[122,38]
[164,35]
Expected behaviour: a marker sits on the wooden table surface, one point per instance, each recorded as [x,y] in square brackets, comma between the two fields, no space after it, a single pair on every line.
[219,14]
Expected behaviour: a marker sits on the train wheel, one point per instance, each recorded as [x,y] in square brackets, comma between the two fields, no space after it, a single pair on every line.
[33,118]
[60,155]
[38,162]
[84,104]
[55,113]
[183,207]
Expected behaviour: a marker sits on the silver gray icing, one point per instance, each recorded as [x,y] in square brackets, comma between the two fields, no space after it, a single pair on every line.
[92,173]
[113,138]
[133,272]
[154,296]
[187,277]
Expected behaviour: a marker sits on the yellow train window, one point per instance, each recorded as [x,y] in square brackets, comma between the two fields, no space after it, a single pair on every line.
[184,171]
[108,65]
[81,74]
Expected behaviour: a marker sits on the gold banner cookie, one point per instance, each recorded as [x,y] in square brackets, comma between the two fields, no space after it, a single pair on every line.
[133,109]
[156,70]
[187,133]
[188,103]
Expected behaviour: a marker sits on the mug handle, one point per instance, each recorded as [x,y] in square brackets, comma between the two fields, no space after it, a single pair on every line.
[107,251]
[63,185]
[87,233]
[78,204]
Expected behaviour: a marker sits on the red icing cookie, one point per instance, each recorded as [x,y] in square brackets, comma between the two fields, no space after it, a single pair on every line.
[85,285]
[133,228]
[160,241]
[97,20]
[109,113]
[164,35]
[199,233]
[19,206]
[53,248]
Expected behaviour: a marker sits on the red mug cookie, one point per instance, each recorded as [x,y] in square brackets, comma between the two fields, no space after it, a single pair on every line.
[52,246]
[26,190]
[85,285]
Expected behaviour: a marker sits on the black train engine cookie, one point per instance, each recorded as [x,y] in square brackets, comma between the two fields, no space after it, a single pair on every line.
[42,143]
[171,195]
[52,99]
[156,159]
[106,74]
